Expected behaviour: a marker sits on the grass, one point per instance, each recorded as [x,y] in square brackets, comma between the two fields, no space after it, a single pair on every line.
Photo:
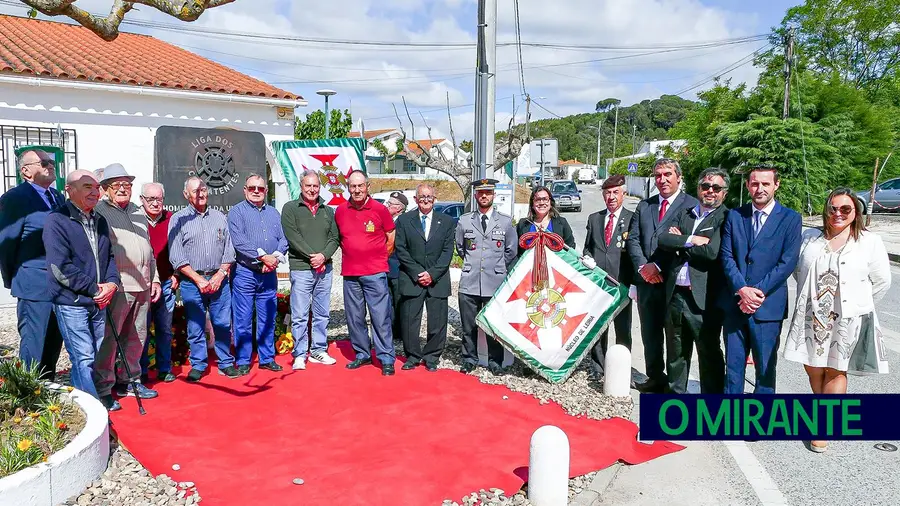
[35,420]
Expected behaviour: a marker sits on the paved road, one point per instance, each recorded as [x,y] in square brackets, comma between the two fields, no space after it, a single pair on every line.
[717,473]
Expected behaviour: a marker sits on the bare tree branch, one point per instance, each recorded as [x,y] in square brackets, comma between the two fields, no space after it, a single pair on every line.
[108,27]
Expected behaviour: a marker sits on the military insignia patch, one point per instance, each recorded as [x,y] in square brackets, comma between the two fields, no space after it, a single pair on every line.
[370,227]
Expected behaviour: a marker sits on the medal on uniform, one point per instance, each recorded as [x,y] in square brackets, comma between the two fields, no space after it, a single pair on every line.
[370,227]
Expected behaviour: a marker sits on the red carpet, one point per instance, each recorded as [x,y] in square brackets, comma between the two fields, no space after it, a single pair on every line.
[356,437]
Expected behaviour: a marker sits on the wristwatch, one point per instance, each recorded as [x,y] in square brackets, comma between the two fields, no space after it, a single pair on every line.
[224,272]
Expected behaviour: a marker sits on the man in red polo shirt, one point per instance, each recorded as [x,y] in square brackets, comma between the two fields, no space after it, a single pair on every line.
[367,239]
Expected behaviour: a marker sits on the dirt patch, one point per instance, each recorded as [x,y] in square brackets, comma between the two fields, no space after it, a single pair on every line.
[447,191]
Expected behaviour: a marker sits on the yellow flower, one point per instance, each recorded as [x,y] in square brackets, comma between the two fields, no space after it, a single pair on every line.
[34,415]
[37,392]
[24,445]
[17,419]
[53,408]
[69,389]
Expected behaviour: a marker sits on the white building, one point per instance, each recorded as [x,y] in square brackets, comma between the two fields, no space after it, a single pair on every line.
[655,148]
[102,102]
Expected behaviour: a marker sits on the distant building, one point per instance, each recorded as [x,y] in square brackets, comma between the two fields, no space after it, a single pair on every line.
[400,164]
[655,148]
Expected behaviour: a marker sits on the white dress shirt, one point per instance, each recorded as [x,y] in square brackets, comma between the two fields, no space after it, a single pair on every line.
[428,218]
[670,200]
[489,214]
[684,274]
[766,212]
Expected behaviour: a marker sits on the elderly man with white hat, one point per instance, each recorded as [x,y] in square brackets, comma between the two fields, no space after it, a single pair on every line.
[140,285]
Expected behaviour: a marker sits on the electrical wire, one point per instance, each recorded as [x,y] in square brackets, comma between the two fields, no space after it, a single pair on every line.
[519,51]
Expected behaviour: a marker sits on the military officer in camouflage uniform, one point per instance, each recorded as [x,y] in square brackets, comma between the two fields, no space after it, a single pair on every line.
[487,242]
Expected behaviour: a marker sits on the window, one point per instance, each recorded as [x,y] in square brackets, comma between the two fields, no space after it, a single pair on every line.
[11,137]
[563,186]
[893,184]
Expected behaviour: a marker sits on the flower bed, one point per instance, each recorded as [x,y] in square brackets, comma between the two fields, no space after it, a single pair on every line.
[181,350]
[35,421]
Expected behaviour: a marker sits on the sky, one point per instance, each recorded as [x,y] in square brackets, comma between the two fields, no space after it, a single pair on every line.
[627,49]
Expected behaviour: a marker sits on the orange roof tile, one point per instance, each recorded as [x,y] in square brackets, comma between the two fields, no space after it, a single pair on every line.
[371,134]
[49,49]
[425,144]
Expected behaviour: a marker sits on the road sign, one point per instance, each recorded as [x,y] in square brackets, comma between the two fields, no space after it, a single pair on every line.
[632,167]
[504,199]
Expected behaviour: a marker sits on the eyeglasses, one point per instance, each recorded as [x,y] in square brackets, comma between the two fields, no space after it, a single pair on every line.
[716,188]
[152,199]
[541,200]
[260,189]
[425,198]
[43,163]
[845,210]
[119,185]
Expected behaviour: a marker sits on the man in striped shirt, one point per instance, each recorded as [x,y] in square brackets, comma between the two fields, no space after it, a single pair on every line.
[201,253]
[259,246]
[140,286]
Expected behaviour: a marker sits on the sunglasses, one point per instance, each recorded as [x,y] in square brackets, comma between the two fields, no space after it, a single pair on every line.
[260,189]
[716,188]
[845,209]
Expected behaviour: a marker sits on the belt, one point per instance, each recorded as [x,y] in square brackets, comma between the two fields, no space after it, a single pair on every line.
[203,273]
[683,288]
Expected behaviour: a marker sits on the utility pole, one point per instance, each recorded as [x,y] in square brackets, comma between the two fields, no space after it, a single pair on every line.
[788,69]
[633,135]
[615,132]
[479,142]
[599,125]
[490,43]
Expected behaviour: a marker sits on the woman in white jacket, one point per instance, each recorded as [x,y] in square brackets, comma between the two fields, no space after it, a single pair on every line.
[843,269]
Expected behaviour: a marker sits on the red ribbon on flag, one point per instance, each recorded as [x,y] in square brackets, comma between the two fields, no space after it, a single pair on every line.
[539,239]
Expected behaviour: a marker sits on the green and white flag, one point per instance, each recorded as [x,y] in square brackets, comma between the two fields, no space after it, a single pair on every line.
[333,159]
[551,329]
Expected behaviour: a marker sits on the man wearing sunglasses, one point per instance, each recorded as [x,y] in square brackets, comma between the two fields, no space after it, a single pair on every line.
[694,284]
[23,212]
[259,246]
[140,286]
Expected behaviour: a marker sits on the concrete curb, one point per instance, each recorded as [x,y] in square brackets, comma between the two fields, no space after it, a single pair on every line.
[69,471]
[592,495]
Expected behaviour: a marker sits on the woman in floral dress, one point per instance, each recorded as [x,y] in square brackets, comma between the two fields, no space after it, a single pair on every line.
[843,269]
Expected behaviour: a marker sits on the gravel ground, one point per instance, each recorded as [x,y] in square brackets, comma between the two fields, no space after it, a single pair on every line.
[127,483]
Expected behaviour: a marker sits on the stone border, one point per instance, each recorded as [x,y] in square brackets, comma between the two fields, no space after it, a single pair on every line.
[69,471]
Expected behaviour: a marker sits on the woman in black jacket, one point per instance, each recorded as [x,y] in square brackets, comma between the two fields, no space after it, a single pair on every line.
[542,211]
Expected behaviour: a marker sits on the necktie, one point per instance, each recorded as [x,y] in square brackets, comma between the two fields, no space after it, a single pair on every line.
[484,223]
[50,198]
[757,223]
[423,226]
[609,228]
[662,209]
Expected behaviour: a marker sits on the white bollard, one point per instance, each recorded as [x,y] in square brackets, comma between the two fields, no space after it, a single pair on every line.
[548,467]
[617,371]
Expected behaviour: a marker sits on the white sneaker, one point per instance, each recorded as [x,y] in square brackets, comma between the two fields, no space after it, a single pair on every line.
[322,358]
[299,364]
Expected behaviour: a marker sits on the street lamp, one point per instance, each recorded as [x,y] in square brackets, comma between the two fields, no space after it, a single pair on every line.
[326,94]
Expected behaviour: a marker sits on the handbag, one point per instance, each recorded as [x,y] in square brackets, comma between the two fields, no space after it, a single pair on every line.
[868,356]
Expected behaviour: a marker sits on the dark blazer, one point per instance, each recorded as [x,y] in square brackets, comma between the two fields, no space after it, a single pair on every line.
[417,255]
[764,262]
[646,228]
[72,278]
[559,225]
[22,256]
[394,263]
[704,267]
[613,259]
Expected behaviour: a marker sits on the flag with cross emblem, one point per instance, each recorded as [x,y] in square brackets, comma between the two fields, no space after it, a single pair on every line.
[552,307]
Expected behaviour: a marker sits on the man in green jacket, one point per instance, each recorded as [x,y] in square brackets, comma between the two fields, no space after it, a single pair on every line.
[313,237]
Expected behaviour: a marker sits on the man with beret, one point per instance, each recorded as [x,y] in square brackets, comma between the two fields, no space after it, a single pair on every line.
[396,204]
[488,244]
[607,231]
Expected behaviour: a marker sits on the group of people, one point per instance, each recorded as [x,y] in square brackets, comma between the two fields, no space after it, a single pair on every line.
[95,273]
[702,271]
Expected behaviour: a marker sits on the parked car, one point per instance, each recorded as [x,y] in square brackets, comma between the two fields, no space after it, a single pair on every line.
[887,196]
[566,195]
[452,209]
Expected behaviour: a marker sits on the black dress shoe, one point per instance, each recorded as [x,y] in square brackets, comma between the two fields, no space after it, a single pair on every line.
[410,365]
[356,364]
[244,369]
[495,369]
[467,367]
[194,376]
[271,366]
[431,367]
[650,387]
[387,370]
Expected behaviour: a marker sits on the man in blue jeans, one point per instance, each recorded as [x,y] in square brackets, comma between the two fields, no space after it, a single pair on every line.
[81,277]
[312,237]
[160,315]
[200,251]
[259,247]
[367,239]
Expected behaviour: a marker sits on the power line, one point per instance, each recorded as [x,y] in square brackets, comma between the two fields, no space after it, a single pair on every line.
[519,51]
[535,102]
[730,68]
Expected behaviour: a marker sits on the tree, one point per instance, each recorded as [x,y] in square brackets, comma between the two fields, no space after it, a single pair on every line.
[314,125]
[607,104]
[467,146]
[108,27]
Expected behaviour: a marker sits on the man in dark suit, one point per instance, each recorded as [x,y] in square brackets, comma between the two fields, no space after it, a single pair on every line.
[607,231]
[693,287]
[425,249]
[23,212]
[653,217]
[760,249]
[396,205]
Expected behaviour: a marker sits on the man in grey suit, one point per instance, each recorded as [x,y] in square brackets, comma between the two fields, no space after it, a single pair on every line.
[694,285]
[653,217]
[488,243]
[607,231]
